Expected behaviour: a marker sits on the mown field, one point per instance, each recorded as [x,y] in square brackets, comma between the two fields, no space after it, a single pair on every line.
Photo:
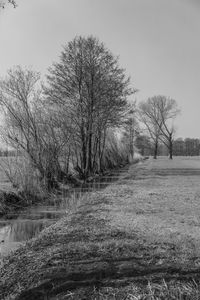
[137,239]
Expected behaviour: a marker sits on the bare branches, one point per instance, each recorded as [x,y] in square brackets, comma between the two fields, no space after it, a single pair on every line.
[92,90]
[158,114]
[29,126]
[86,96]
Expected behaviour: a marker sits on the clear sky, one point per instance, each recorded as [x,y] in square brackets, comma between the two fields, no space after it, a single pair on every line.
[158,43]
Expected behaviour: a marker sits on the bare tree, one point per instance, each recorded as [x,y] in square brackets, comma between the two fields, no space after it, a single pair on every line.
[186,147]
[91,90]
[151,126]
[158,114]
[144,145]
[29,127]
[131,127]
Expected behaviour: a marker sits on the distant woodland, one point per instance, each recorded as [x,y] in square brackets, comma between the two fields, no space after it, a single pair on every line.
[181,147]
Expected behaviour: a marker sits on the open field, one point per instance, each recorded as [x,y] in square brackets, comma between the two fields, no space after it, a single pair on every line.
[162,203]
[144,228]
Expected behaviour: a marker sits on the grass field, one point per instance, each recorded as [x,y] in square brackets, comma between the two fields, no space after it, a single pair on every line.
[162,203]
[137,239]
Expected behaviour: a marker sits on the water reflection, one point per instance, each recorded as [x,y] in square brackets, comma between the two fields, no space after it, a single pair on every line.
[22,227]
[17,231]
[18,228]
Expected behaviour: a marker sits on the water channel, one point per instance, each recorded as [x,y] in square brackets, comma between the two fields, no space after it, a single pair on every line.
[17,228]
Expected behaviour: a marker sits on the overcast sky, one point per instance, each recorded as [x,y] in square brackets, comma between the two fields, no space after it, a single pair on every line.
[158,43]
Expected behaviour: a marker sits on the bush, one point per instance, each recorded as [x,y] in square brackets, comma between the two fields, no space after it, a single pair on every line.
[10,201]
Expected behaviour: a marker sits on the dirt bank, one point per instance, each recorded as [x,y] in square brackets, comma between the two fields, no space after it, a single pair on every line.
[144,227]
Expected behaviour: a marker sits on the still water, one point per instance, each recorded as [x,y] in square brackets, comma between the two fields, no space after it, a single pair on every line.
[18,228]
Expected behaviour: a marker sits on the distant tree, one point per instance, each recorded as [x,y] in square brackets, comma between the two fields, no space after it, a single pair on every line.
[191,147]
[91,90]
[196,147]
[131,129]
[151,126]
[163,150]
[159,113]
[179,147]
[144,145]
[186,147]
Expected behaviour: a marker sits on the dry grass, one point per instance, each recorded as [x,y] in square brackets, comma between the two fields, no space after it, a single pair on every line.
[162,208]
[152,291]
[120,244]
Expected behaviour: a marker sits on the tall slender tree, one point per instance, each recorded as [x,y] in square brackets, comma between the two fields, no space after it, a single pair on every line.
[92,90]
[151,127]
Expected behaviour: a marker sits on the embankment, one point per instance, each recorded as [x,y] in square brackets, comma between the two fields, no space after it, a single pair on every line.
[143,227]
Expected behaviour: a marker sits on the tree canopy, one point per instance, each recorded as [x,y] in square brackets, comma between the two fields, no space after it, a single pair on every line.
[90,87]
[158,114]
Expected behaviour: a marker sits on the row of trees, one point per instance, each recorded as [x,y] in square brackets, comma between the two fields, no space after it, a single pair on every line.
[181,147]
[68,122]
[186,147]
[91,90]
[88,91]
[72,122]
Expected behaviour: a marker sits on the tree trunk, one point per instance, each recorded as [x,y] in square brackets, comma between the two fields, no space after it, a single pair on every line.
[89,166]
[94,159]
[170,149]
[68,160]
[101,150]
[84,153]
[155,150]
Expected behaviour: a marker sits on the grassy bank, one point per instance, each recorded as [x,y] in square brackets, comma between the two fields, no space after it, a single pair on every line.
[12,202]
[28,190]
[137,239]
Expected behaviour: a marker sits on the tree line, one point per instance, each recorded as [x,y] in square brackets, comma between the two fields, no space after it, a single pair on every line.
[69,123]
[181,147]
[187,147]
[81,120]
